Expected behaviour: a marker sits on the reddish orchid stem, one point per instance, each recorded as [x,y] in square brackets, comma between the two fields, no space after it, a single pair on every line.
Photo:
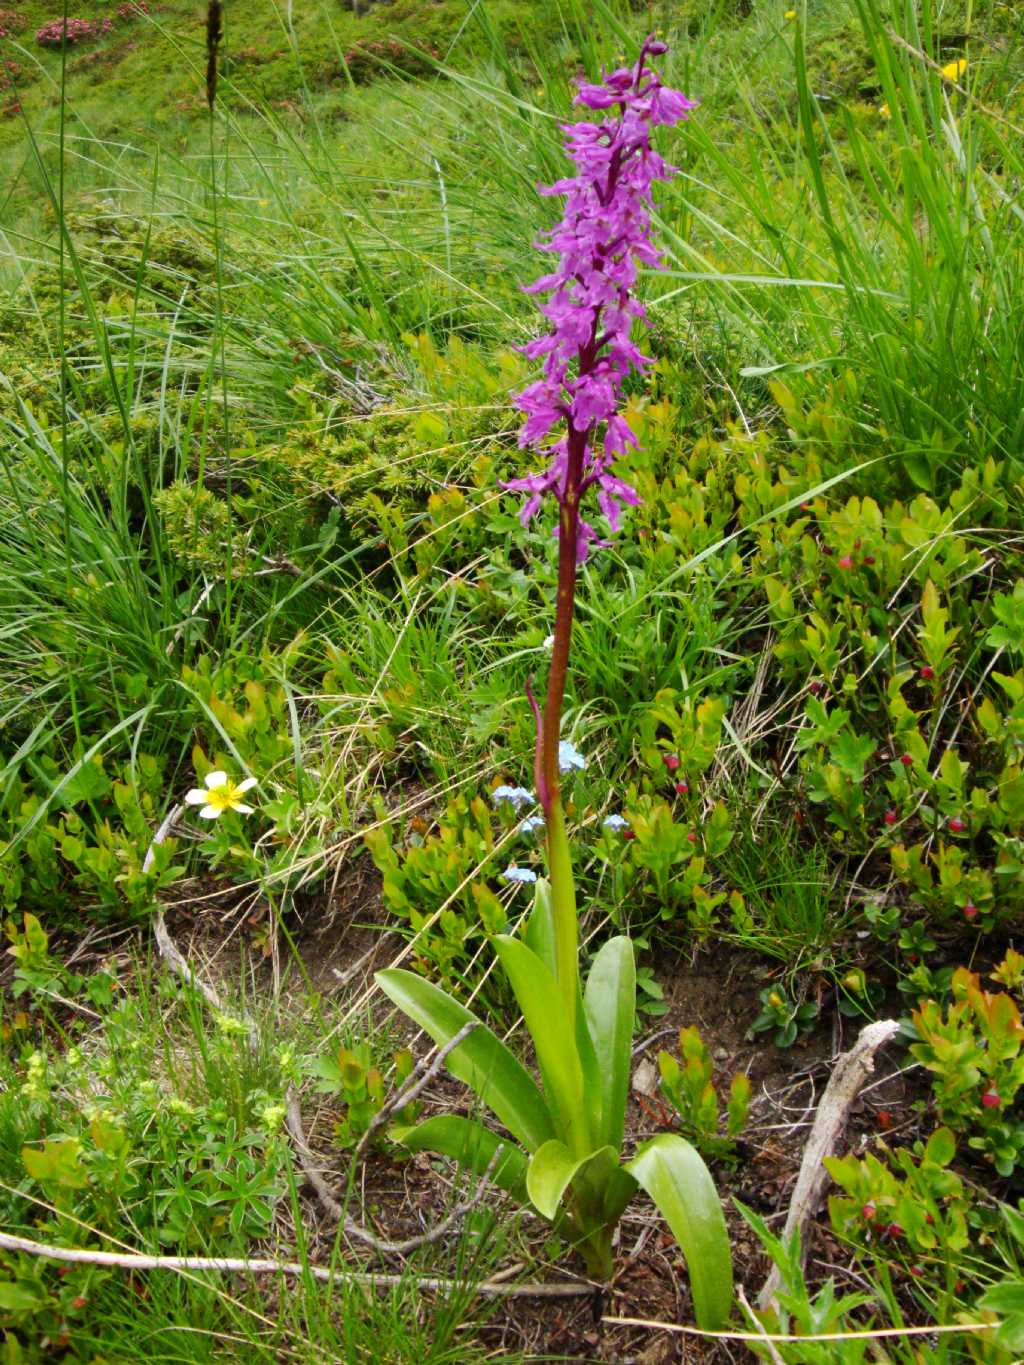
[568,530]
[538,751]
[548,786]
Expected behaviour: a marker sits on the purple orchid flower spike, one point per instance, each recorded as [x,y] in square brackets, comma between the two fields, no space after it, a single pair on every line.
[586,355]
[603,237]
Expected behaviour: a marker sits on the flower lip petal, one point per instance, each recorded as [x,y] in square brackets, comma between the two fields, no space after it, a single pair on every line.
[209,813]
[216,779]
[247,785]
[196,797]
[242,809]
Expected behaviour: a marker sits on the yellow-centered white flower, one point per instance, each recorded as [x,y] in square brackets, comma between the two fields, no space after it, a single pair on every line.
[220,794]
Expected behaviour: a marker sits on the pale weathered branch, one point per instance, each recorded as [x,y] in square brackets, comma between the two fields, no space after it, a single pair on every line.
[124,1260]
[413,1086]
[850,1071]
[356,1230]
[168,949]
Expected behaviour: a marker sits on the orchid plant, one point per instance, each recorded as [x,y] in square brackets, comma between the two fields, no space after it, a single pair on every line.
[568,1132]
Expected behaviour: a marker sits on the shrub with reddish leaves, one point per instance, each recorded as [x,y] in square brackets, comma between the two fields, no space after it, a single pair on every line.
[11,22]
[10,73]
[60,33]
[57,34]
[975,1052]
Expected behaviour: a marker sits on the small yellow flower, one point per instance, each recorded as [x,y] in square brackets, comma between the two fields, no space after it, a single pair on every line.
[884,111]
[952,71]
[790,14]
[219,795]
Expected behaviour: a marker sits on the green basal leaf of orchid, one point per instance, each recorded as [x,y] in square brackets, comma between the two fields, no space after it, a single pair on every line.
[593,1088]
[676,1178]
[473,1146]
[553,1169]
[482,1061]
[610,1008]
[540,929]
[554,1040]
[540,938]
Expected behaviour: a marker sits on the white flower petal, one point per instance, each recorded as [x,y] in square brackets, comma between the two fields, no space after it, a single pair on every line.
[196,797]
[209,813]
[216,779]
[244,786]
[242,810]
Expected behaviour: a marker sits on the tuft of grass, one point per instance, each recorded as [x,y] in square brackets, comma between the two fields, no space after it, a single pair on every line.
[790,912]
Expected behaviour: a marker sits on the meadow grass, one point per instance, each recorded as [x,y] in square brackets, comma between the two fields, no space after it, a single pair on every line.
[254,378]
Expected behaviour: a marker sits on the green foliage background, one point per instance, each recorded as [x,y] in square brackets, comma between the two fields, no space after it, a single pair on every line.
[254,406]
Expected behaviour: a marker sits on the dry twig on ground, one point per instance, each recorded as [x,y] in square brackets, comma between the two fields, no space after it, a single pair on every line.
[849,1074]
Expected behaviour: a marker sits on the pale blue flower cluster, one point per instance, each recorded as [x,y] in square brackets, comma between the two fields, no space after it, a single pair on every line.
[517,796]
[518,874]
[615,822]
[532,824]
[569,757]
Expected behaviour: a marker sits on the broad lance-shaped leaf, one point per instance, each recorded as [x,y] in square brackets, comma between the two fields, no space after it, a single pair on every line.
[610,1004]
[675,1177]
[593,1093]
[552,1170]
[554,1040]
[473,1146]
[540,939]
[540,928]
[482,1061]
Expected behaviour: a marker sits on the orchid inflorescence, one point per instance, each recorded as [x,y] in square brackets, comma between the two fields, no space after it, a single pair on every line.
[603,236]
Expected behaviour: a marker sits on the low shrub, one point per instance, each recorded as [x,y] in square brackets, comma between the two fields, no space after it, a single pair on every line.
[70,32]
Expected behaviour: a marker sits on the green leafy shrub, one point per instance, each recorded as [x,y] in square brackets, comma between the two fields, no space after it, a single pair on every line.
[973,1049]
[349,1073]
[90,841]
[914,1205]
[784,1018]
[672,863]
[691,1091]
[436,884]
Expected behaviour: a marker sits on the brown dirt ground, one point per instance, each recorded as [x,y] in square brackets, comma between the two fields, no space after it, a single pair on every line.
[718,992]
[339,938]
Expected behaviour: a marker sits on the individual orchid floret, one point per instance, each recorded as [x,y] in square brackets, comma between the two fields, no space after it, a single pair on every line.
[615,822]
[220,794]
[516,796]
[518,874]
[602,239]
[569,757]
[531,824]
